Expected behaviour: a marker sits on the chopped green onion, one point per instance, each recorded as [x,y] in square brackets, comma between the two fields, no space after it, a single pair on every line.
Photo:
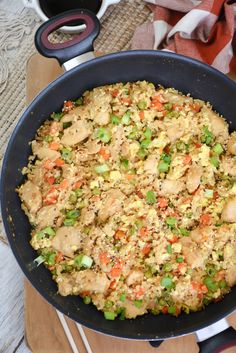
[51,258]
[48,138]
[78,192]
[39,260]
[103,134]
[171,310]
[151,197]
[180,146]
[163,167]
[126,118]
[122,314]
[211,271]
[222,284]
[115,120]
[145,143]
[87,300]
[79,101]
[167,267]
[135,133]
[96,191]
[77,259]
[207,136]
[69,222]
[184,232]
[169,249]
[109,315]
[103,168]
[168,106]
[217,149]
[73,214]
[171,221]
[167,282]
[67,124]
[122,297]
[46,231]
[138,303]
[215,161]
[66,154]
[211,284]
[166,157]
[142,105]
[72,198]
[142,153]
[180,259]
[148,133]
[124,163]
[86,261]
[56,116]
[173,114]
[208,193]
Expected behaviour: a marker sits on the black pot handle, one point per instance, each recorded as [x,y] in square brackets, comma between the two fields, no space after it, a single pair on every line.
[80,44]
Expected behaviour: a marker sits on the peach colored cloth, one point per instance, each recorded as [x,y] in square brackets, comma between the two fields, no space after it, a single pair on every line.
[203,30]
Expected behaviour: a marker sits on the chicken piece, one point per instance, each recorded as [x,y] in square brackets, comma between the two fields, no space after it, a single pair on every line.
[193,178]
[231,275]
[91,281]
[184,293]
[229,251]
[111,205]
[200,234]
[69,117]
[65,285]
[150,164]
[37,175]
[131,311]
[92,147]
[87,216]
[43,152]
[228,166]
[219,126]
[174,132]
[171,187]
[69,171]
[67,240]
[134,277]
[47,216]
[102,117]
[193,257]
[229,211]
[31,196]
[117,141]
[231,145]
[76,133]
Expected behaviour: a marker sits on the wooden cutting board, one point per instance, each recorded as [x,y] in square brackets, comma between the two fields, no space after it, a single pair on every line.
[43,330]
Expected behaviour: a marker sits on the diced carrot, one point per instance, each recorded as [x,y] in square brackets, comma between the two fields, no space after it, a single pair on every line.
[119,234]
[59,162]
[141,115]
[146,249]
[129,177]
[139,194]
[157,105]
[115,272]
[77,185]
[199,287]
[48,164]
[205,219]
[50,199]
[95,198]
[59,257]
[195,107]
[68,105]
[204,288]
[55,127]
[143,232]
[182,267]
[54,145]
[49,179]
[198,145]
[115,93]
[215,195]
[162,202]
[164,112]
[113,284]
[173,239]
[64,184]
[125,100]
[104,258]
[159,97]
[139,292]
[177,107]
[164,310]
[104,153]
[187,159]
[220,275]
[51,268]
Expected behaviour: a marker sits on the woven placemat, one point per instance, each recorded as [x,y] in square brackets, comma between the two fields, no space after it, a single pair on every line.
[118,25]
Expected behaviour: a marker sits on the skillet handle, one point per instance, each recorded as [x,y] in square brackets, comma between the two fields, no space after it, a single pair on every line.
[80,44]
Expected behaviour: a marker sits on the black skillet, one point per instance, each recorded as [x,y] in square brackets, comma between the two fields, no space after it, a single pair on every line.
[167,69]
